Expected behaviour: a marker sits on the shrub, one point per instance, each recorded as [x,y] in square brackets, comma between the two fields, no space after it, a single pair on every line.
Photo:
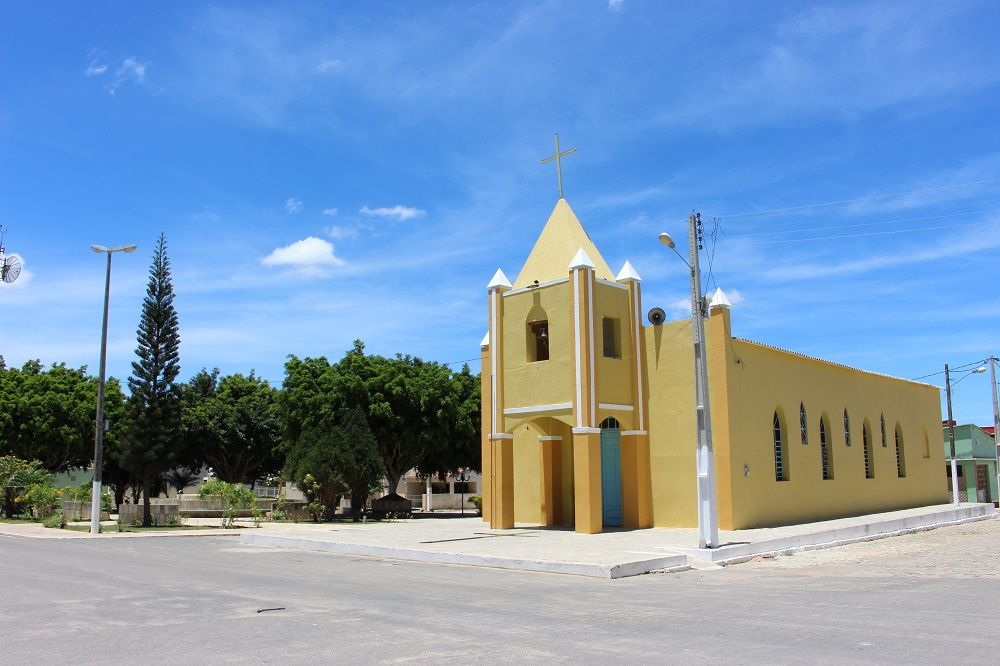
[16,476]
[477,501]
[42,498]
[55,520]
[234,497]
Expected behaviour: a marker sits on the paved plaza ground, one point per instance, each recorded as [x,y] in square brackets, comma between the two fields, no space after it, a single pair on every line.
[928,597]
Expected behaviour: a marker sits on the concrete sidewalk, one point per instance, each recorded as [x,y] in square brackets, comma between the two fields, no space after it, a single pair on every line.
[612,554]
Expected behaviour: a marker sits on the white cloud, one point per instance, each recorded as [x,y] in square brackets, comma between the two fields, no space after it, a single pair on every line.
[328,65]
[96,67]
[330,211]
[310,256]
[342,233]
[399,212]
[293,205]
[615,5]
[131,70]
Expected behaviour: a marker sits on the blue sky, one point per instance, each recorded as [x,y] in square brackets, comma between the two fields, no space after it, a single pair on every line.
[330,171]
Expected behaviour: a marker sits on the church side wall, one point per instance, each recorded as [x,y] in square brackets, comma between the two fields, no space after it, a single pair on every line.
[763,379]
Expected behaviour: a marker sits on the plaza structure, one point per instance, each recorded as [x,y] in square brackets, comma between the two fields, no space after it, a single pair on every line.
[588,414]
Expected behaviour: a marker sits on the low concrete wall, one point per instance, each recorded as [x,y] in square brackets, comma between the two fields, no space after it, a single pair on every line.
[76,511]
[162,511]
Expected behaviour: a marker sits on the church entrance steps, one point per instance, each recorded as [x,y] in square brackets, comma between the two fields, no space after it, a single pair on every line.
[616,553]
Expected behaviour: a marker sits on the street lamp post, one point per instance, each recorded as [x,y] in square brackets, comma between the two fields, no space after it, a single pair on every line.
[101,425]
[708,517]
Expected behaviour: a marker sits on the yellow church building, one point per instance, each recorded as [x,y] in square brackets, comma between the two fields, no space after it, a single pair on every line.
[588,415]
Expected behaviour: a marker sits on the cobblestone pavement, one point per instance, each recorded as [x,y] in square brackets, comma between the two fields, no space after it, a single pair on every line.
[969,550]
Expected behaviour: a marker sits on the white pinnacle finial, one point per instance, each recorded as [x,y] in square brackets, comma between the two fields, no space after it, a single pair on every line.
[499,281]
[719,298]
[628,274]
[486,341]
[581,260]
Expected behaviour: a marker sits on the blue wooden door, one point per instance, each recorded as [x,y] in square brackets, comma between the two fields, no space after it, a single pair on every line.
[611,476]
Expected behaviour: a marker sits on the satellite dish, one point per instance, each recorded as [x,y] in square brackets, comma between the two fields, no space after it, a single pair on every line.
[10,269]
[656,316]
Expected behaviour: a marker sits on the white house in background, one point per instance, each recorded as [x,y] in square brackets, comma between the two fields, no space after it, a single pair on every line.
[432,493]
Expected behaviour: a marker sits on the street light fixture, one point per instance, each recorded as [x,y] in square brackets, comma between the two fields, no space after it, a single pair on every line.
[708,514]
[951,426]
[101,425]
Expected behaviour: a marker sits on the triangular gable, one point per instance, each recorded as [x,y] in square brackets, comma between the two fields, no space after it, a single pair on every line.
[561,238]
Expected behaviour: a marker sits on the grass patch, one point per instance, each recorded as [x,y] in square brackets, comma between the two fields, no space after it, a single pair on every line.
[19,520]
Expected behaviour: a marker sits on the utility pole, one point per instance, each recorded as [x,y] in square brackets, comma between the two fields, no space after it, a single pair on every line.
[708,518]
[951,437]
[996,417]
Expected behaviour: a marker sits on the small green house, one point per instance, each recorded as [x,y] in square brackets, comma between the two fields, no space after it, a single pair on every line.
[976,455]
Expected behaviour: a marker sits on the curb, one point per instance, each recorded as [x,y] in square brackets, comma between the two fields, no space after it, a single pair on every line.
[725,555]
[607,571]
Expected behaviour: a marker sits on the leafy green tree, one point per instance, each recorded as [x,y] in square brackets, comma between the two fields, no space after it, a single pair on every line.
[341,454]
[48,415]
[416,411]
[153,443]
[233,425]
[460,448]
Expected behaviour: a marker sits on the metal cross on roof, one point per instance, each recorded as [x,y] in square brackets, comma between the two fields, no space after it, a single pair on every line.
[558,160]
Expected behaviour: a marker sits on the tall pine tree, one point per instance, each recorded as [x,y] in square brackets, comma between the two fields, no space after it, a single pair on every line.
[154,442]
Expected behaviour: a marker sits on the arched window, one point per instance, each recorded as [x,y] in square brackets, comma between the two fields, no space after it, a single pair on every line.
[900,453]
[780,461]
[866,440]
[537,335]
[882,417]
[825,452]
[927,444]
[610,423]
[847,428]
[803,431]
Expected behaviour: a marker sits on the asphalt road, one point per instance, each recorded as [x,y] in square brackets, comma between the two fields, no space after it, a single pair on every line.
[912,599]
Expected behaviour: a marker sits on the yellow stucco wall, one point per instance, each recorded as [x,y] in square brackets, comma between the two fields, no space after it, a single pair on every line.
[670,416]
[540,382]
[758,499]
[748,381]
[614,374]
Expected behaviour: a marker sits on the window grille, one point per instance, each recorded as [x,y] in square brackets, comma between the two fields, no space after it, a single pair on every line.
[900,454]
[803,431]
[824,451]
[847,429]
[882,417]
[867,442]
[780,473]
